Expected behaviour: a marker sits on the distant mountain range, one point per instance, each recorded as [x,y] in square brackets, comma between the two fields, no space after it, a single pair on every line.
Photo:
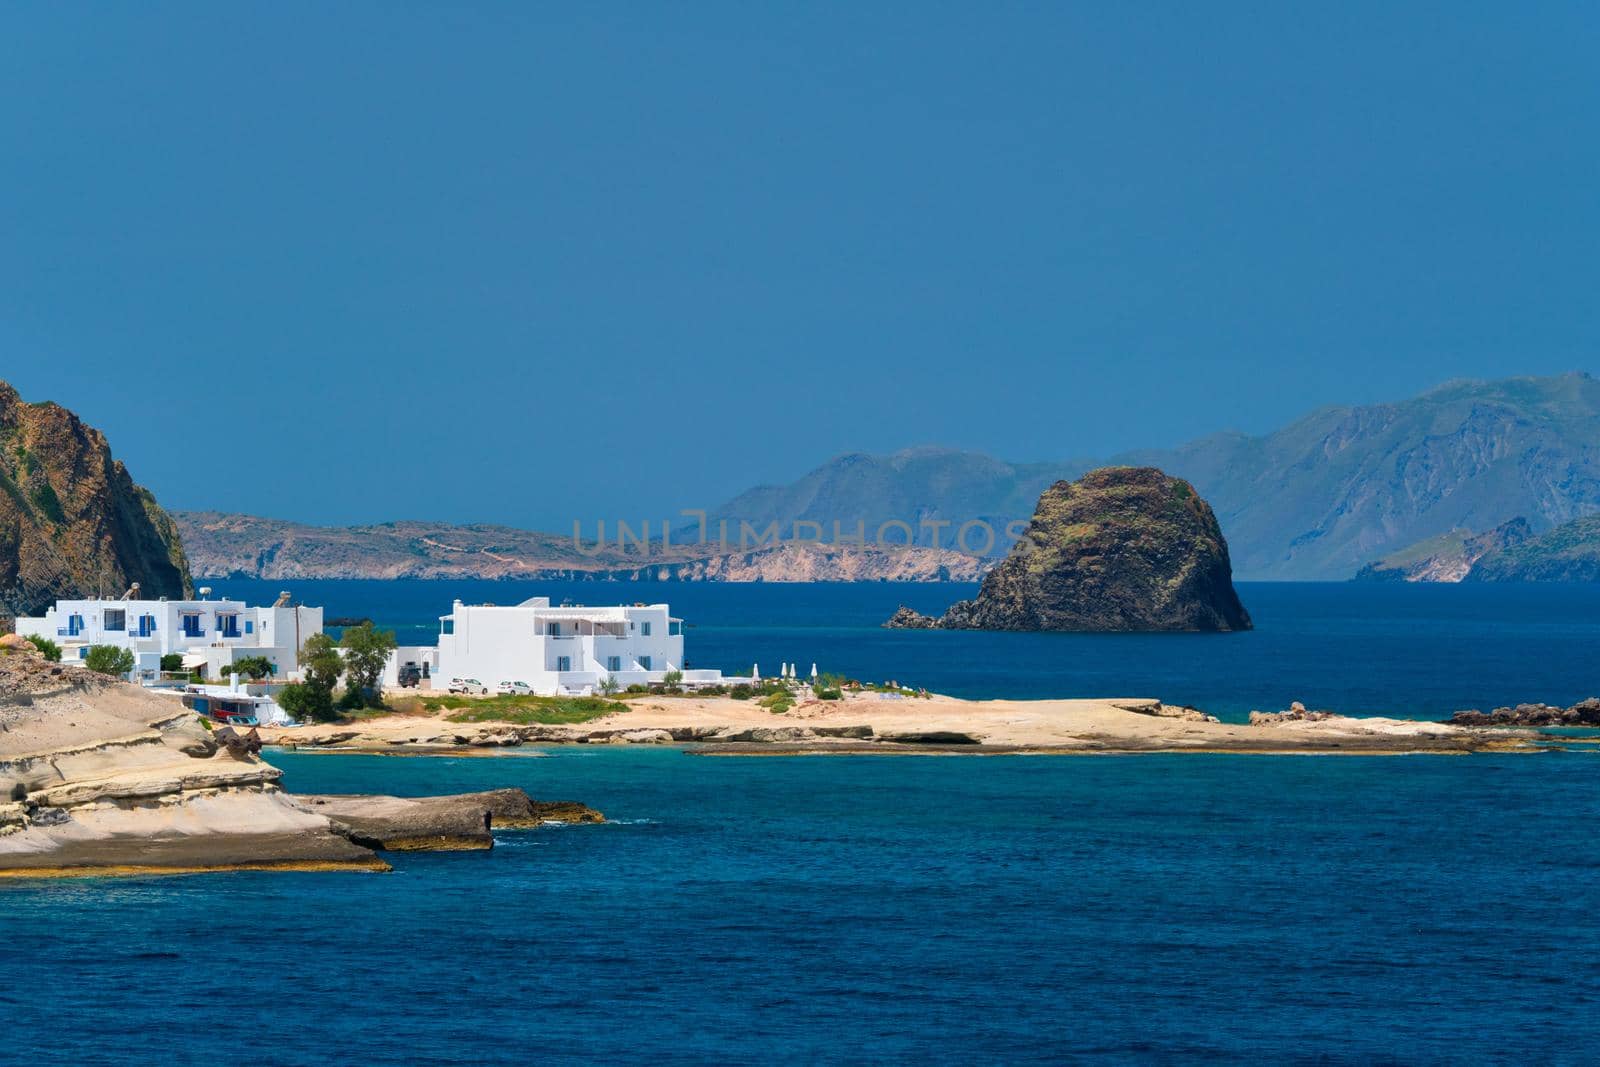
[1316,500]
[246,546]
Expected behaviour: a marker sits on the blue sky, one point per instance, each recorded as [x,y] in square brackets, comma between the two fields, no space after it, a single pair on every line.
[531,262]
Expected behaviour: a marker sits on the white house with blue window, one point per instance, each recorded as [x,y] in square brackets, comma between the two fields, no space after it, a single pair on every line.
[568,649]
[208,634]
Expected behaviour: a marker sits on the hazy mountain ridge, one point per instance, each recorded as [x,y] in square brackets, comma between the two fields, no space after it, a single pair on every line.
[1317,499]
[244,546]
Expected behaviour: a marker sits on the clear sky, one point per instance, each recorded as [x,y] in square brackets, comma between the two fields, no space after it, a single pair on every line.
[531,262]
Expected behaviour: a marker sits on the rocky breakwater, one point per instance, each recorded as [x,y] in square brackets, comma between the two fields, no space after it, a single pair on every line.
[1583,713]
[433,824]
[101,777]
[1121,549]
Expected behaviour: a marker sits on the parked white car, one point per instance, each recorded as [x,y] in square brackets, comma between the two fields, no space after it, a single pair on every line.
[520,689]
[467,685]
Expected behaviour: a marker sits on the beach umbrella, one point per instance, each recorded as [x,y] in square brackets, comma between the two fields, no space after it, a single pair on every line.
[813,671]
[755,673]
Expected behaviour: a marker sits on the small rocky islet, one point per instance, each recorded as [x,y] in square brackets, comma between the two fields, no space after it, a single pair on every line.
[1122,549]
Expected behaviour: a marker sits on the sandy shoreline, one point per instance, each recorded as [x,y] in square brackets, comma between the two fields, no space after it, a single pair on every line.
[867,724]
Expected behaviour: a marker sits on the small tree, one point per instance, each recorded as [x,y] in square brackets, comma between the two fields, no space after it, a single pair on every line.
[306,702]
[172,663]
[609,685]
[109,659]
[320,662]
[366,651]
[49,648]
[254,668]
[672,678]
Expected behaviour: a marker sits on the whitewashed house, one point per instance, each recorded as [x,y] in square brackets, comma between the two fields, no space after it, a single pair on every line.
[562,649]
[208,634]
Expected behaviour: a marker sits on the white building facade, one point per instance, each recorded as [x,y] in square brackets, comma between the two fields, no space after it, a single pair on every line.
[209,634]
[558,650]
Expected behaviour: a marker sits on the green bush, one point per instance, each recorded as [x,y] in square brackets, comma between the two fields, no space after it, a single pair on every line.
[306,702]
[254,668]
[172,663]
[741,692]
[109,659]
[51,650]
[777,703]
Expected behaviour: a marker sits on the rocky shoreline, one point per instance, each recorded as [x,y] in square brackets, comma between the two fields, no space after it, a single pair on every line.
[1583,713]
[100,777]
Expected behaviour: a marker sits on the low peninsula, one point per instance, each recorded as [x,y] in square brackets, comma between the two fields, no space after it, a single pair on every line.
[888,724]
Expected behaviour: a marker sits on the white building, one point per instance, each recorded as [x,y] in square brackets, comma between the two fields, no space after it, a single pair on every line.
[209,634]
[561,649]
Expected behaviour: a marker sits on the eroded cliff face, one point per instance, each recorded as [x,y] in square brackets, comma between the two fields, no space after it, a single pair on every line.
[1121,549]
[101,776]
[72,521]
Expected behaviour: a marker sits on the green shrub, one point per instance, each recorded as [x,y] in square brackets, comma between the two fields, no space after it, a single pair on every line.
[741,692]
[51,650]
[254,668]
[109,659]
[777,703]
[172,663]
[307,702]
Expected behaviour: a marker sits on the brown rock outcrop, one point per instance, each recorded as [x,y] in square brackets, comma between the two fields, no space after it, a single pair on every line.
[71,519]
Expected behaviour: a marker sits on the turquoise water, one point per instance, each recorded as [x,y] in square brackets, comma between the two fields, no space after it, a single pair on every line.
[1419,651]
[939,909]
[959,909]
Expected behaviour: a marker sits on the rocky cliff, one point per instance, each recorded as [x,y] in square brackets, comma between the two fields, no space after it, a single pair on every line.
[71,519]
[1448,557]
[1121,549]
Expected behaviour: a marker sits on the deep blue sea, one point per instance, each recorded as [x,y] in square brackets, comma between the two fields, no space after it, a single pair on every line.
[1422,651]
[911,909]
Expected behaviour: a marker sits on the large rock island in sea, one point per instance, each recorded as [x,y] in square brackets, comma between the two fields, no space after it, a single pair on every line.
[72,521]
[1121,549]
